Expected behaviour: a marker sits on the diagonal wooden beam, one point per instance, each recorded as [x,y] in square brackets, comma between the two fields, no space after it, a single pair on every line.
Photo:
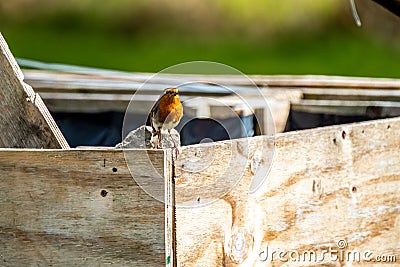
[25,121]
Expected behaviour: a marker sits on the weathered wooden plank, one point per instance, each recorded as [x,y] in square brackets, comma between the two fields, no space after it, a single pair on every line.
[322,81]
[24,119]
[65,102]
[346,107]
[74,83]
[270,106]
[351,94]
[325,184]
[92,102]
[92,95]
[42,79]
[113,91]
[80,208]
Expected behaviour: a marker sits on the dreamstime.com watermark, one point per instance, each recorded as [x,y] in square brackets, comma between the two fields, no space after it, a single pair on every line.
[333,254]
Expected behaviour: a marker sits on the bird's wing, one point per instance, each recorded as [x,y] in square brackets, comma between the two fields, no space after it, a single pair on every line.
[154,111]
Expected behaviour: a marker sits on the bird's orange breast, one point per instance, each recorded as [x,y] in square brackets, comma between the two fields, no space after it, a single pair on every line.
[170,109]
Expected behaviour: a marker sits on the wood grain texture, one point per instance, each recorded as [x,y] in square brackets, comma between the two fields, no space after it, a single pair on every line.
[349,108]
[105,91]
[325,184]
[80,208]
[352,94]
[46,79]
[24,119]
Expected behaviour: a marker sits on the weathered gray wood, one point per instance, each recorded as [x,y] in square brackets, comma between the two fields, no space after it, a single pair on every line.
[112,91]
[352,94]
[349,101]
[46,79]
[346,107]
[80,208]
[170,208]
[90,93]
[24,119]
[288,80]
[326,184]
[270,106]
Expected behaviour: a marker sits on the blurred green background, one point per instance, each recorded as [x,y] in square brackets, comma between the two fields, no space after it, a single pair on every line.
[256,37]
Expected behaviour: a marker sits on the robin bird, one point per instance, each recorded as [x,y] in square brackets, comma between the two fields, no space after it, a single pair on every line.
[166,113]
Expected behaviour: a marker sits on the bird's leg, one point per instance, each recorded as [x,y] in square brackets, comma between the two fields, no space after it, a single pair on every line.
[159,138]
[154,133]
[175,146]
[159,134]
[173,140]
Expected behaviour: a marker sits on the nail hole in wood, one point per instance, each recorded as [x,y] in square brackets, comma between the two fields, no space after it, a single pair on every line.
[362,131]
[389,126]
[114,169]
[198,200]
[354,189]
[343,134]
[334,140]
[104,163]
[103,193]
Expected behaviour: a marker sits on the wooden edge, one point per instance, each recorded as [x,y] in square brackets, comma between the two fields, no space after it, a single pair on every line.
[338,157]
[50,121]
[170,224]
[169,186]
[339,127]
[343,107]
[337,92]
[35,76]
[11,59]
[302,132]
[71,207]
[36,100]
[96,149]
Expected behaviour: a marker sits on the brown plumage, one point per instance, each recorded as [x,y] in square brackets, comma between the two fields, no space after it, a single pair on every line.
[166,113]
